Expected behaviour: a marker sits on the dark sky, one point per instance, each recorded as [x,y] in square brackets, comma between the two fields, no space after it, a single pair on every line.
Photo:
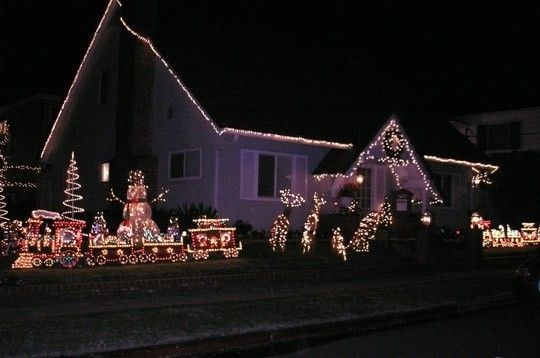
[446,57]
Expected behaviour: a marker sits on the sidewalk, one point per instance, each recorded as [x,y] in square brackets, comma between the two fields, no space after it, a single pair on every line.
[202,320]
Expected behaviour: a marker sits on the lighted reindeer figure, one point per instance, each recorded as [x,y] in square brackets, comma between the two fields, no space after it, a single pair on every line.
[280,227]
[312,223]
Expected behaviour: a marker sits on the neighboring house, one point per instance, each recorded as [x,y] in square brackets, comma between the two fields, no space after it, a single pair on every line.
[127,108]
[29,120]
[511,139]
[504,131]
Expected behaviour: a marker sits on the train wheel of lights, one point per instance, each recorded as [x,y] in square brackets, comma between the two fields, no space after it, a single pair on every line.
[48,262]
[183,256]
[68,259]
[174,257]
[143,258]
[36,262]
[133,259]
[152,257]
[123,259]
[90,261]
[101,260]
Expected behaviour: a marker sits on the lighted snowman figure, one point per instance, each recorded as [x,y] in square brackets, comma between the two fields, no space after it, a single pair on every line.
[137,211]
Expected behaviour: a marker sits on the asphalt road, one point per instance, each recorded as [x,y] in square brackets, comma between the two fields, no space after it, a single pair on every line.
[511,331]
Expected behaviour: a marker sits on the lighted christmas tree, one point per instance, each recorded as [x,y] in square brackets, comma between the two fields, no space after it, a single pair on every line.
[99,230]
[281,225]
[365,232]
[338,244]
[71,187]
[173,230]
[385,215]
[312,223]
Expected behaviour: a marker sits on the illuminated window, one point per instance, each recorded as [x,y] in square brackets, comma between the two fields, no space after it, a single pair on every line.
[185,164]
[104,172]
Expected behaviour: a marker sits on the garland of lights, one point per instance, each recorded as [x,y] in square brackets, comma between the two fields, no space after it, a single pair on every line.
[312,223]
[393,143]
[338,244]
[71,187]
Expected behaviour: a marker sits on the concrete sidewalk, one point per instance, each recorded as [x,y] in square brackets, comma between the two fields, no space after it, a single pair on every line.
[205,320]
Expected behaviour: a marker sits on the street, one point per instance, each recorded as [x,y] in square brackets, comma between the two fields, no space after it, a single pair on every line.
[510,331]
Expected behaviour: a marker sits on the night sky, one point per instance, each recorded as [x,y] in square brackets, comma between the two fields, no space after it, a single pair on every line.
[452,59]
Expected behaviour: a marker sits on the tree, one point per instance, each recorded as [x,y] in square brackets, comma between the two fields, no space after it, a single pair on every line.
[71,187]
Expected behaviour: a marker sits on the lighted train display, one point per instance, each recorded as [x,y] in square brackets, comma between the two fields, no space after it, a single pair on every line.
[49,240]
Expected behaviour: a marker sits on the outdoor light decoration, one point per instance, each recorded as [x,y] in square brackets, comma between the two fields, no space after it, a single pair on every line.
[385,214]
[392,141]
[480,177]
[365,232]
[312,223]
[234,131]
[99,230]
[137,211]
[338,244]
[71,187]
[506,237]
[41,246]
[281,225]
[425,219]
[475,220]
[75,79]
[213,235]
[359,179]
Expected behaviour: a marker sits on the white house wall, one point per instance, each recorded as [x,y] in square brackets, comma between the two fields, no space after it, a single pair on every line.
[87,127]
[190,130]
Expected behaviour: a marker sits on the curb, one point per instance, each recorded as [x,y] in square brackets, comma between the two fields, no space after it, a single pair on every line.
[285,340]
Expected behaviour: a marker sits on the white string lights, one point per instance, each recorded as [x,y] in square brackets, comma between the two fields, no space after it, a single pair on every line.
[234,131]
[71,187]
[75,79]
[312,223]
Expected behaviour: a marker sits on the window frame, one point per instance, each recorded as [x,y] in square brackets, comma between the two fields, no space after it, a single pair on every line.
[184,151]
[258,153]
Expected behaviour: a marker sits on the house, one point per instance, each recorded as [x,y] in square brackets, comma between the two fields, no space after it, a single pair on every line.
[511,139]
[504,131]
[128,108]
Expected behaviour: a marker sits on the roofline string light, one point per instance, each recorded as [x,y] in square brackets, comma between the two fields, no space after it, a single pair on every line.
[491,168]
[242,132]
[366,155]
[68,96]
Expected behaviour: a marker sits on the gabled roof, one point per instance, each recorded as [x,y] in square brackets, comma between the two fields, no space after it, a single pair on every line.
[430,137]
[246,81]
